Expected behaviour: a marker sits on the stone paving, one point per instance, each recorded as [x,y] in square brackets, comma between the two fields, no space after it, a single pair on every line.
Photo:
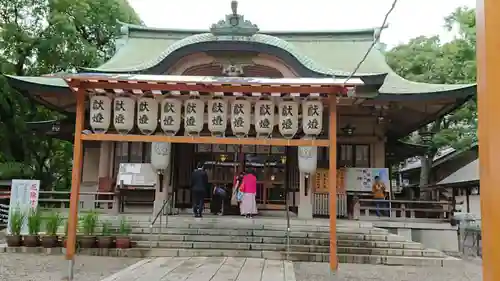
[206,269]
[462,271]
[29,267]
[26,267]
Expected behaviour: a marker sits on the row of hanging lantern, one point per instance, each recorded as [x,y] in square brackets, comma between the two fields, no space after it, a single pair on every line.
[125,111]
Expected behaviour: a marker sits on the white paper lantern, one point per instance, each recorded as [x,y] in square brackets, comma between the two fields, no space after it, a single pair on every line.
[100,114]
[170,119]
[241,111]
[308,158]
[123,118]
[217,117]
[264,118]
[288,118]
[194,110]
[160,155]
[312,117]
[147,115]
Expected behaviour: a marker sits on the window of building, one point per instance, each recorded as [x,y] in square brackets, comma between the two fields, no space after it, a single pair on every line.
[131,152]
[348,155]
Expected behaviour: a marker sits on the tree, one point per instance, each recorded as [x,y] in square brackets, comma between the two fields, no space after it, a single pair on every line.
[427,59]
[40,37]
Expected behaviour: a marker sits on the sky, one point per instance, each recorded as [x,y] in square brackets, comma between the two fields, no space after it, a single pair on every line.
[410,18]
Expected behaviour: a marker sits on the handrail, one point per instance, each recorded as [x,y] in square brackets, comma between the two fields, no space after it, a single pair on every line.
[157,216]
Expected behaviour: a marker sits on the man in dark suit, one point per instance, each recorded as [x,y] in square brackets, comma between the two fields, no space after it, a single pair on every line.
[199,186]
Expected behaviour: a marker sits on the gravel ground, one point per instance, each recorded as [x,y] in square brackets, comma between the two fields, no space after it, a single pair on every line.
[25,267]
[464,271]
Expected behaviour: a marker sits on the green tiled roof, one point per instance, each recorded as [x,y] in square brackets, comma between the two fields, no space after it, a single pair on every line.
[327,52]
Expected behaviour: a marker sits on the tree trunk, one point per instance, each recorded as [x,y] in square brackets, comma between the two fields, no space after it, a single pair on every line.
[425,169]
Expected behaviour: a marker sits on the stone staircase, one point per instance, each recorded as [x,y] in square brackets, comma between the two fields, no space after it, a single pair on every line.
[266,238]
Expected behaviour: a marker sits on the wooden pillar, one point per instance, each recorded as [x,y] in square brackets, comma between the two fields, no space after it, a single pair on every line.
[488,66]
[75,181]
[332,182]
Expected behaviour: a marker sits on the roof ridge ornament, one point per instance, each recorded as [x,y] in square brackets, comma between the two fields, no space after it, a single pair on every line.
[234,24]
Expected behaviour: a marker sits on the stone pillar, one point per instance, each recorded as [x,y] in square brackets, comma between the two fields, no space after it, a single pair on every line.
[161,197]
[104,159]
[305,202]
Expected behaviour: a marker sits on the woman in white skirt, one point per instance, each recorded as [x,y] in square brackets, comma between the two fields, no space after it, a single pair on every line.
[248,205]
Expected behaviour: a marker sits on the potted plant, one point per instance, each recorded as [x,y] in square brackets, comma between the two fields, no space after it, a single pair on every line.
[105,240]
[17,217]
[52,224]
[123,239]
[34,225]
[88,223]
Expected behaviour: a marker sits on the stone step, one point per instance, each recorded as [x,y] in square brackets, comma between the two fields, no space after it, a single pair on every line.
[308,229]
[233,246]
[272,255]
[250,239]
[251,232]
[379,244]
[256,232]
[280,240]
[229,236]
[293,248]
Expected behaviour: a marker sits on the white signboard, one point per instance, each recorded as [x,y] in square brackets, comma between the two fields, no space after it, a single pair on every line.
[136,175]
[23,196]
[362,179]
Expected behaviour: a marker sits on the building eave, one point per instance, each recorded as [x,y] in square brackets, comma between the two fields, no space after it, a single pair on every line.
[367,31]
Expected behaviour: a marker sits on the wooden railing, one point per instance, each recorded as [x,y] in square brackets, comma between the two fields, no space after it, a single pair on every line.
[406,209]
[321,205]
[390,209]
[4,213]
[60,200]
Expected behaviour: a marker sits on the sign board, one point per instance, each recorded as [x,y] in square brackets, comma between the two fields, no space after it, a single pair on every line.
[24,196]
[140,175]
[362,179]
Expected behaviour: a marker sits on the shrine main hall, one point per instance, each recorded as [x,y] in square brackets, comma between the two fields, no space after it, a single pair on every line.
[234,96]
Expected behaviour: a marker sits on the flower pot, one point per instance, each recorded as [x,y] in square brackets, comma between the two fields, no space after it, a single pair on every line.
[31,241]
[14,240]
[88,242]
[123,242]
[105,242]
[50,241]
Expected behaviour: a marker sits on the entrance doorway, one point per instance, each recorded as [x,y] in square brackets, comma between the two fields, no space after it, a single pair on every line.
[224,162]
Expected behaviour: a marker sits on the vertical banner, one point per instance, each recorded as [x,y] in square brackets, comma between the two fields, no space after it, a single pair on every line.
[23,195]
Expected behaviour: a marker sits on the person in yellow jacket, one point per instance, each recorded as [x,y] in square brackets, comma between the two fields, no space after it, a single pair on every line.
[379,194]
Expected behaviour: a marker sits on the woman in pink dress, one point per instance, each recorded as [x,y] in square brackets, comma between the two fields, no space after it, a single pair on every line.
[248,205]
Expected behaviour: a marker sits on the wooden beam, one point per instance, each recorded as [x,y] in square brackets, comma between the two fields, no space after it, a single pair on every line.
[334,89]
[332,182]
[488,66]
[76,177]
[211,140]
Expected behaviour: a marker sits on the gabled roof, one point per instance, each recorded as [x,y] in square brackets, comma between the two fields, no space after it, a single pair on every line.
[467,173]
[441,157]
[323,52]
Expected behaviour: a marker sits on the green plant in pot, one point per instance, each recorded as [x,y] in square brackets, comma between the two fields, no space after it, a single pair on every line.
[34,226]
[123,238]
[105,240]
[52,224]
[16,222]
[88,224]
